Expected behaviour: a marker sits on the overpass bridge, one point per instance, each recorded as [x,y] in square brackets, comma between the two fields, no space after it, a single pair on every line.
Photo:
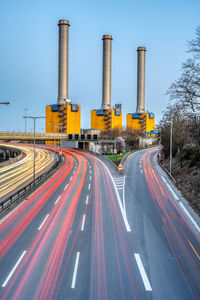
[80,141]
[22,136]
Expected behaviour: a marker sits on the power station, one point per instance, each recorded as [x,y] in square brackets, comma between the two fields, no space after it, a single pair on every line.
[141,121]
[107,118]
[65,116]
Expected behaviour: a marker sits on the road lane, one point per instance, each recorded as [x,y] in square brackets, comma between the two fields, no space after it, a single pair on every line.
[161,231]
[106,267]
[83,249]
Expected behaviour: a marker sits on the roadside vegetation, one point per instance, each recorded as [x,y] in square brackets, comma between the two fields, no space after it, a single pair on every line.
[116,158]
[184,113]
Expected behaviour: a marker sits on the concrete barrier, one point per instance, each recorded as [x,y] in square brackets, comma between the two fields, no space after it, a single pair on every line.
[12,160]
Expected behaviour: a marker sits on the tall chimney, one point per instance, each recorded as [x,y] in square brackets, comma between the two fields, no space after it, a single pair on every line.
[107,52]
[63,62]
[141,80]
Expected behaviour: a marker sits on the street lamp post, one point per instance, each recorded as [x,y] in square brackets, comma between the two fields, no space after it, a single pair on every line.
[34,119]
[54,126]
[170,163]
[25,110]
[5,102]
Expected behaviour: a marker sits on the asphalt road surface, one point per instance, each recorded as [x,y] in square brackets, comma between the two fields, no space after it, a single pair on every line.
[90,233]
[19,174]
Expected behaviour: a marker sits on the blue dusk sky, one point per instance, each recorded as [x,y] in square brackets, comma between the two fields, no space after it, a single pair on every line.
[29,53]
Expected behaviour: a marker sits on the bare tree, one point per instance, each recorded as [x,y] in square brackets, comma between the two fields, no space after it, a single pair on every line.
[120,144]
[194,44]
[177,114]
[186,89]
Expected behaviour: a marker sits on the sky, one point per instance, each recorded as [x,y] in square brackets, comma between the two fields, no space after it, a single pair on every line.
[29,53]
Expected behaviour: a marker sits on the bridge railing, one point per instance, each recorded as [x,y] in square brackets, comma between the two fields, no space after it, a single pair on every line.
[47,136]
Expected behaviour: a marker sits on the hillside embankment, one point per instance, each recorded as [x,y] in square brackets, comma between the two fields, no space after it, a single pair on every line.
[187,179]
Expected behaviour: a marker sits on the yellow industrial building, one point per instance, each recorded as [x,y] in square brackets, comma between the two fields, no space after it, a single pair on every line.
[64,118]
[143,122]
[106,119]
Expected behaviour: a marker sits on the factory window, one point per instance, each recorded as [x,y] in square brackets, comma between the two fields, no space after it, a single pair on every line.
[74,107]
[100,112]
[151,115]
[117,112]
[135,116]
[54,107]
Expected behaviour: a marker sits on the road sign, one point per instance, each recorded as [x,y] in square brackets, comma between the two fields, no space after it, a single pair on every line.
[120,167]
[115,151]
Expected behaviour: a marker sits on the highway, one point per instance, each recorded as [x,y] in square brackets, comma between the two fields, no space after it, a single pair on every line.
[17,175]
[165,231]
[90,233]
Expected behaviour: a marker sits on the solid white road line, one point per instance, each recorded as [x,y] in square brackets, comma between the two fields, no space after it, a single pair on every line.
[43,222]
[124,205]
[66,186]
[57,200]
[75,270]
[83,223]
[164,179]
[190,217]
[14,268]
[86,202]
[89,186]
[175,196]
[142,272]
[118,199]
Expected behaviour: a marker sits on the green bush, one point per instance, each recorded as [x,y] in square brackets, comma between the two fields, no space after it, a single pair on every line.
[195,156]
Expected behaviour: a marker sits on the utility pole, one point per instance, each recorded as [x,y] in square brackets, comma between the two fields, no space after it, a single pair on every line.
[54,126]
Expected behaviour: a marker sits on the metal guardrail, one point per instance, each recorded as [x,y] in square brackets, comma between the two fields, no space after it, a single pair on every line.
[30,187]
[168,173]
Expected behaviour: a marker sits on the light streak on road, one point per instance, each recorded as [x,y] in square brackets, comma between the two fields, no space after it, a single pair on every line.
[66,258]
[20,173]
[175,226]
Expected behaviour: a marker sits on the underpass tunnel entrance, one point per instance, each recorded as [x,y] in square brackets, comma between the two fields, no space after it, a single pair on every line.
[83,145]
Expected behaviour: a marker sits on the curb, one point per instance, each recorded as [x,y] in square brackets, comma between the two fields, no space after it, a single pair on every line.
[165,170]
